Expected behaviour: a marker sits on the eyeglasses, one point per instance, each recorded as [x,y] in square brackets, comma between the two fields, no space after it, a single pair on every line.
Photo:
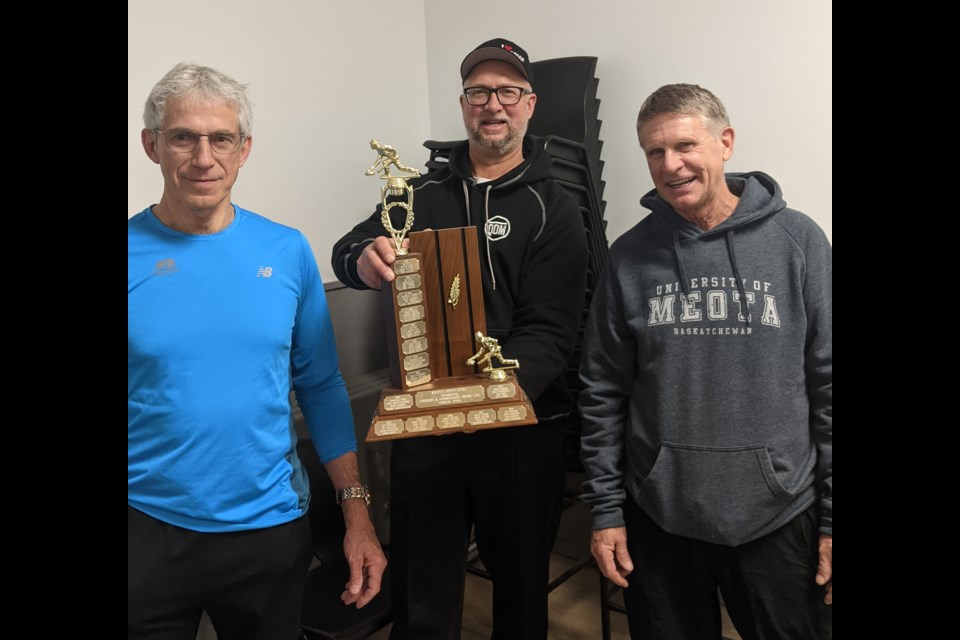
[479,96]
[186,141]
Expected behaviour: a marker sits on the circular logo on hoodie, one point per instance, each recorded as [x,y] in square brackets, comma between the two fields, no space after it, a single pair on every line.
[497,228]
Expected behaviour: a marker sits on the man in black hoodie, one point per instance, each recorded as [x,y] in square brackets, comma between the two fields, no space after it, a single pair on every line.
[708,402]
[505,483]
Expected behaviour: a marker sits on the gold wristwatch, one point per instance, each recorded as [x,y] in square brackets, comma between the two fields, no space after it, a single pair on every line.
[354,492]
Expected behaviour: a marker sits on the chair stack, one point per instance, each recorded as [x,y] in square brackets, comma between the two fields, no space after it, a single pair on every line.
[568,107]
[567,119]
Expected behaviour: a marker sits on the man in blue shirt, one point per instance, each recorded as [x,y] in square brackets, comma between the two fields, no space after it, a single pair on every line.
[226,313]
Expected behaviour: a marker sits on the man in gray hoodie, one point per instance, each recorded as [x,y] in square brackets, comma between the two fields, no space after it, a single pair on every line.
[707,413]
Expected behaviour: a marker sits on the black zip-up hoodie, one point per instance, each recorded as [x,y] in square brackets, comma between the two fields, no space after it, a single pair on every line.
[533,252]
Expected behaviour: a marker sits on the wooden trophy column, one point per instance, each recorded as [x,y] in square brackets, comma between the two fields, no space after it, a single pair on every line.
[435,317]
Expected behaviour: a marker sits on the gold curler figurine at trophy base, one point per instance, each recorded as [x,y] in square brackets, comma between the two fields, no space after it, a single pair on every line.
[434,318]
[492,348]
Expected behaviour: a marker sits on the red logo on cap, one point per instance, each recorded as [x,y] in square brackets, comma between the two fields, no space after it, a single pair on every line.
[508,47]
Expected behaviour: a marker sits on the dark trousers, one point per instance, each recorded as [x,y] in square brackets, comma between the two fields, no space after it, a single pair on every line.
[508,484]
[767,584]
[249,582]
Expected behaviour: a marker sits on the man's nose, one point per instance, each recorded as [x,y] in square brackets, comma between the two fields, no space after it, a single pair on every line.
[490,105]
[672,160]
[203,154]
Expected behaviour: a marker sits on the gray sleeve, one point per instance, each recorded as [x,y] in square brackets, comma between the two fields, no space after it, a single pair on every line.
[608,372]
[818,363]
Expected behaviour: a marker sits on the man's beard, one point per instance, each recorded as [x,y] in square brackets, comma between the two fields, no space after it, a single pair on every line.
[501,146]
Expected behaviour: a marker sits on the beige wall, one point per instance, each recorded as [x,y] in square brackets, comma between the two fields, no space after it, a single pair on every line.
[326,77]
[323,83]
[768,61]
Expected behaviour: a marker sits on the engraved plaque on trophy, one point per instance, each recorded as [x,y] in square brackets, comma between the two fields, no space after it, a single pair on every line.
[446,374]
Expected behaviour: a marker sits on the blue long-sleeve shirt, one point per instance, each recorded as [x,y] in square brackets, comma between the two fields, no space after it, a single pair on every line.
[219,327]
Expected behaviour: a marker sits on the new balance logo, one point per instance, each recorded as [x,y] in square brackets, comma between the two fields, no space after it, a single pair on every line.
[165,267]
[264,272]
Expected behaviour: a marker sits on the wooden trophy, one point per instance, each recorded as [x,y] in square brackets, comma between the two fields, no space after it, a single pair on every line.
[442,364]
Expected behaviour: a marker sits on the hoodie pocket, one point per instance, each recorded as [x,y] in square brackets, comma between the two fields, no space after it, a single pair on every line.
[718,494]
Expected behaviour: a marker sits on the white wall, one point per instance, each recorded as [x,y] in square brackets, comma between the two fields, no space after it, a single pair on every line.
[322,83]
[768,61]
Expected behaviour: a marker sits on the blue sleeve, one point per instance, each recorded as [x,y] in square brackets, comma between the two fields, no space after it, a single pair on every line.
[319,387]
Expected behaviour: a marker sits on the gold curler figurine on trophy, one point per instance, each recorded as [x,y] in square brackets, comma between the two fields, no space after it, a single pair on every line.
[434,318]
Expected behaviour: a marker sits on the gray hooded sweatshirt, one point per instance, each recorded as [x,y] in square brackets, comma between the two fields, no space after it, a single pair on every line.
[715,415]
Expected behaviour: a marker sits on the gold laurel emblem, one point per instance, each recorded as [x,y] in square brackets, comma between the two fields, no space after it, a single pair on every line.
[454,292]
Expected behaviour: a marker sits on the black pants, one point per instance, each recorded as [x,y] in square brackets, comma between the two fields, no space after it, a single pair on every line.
[508,484]
[249,582]
[767,584]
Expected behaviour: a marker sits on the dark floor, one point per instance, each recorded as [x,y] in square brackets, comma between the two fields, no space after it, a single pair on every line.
[574,605]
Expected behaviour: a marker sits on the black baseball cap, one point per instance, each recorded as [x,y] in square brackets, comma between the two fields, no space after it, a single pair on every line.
[498,49]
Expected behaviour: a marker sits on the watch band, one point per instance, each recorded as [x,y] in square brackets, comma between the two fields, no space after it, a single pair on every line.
[354,492]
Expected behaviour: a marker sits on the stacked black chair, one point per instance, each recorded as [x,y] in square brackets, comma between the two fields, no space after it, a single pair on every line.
[567,119]
[439,152]
[568,107]
[571,168]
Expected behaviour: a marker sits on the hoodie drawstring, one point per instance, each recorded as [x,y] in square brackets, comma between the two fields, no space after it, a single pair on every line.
[486,218]
[685,285]
[466,200]
[736,274]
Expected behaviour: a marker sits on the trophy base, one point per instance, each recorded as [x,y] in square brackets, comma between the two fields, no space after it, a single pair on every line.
[461,404]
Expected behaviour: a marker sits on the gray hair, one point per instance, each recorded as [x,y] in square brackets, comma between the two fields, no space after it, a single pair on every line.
[193,82]
[686,100]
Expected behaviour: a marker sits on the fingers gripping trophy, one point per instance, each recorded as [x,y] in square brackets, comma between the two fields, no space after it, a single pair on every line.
[434,319]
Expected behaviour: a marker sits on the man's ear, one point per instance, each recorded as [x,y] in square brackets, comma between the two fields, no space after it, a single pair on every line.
[726,139]
[531,104]
[245,149]
[148,139]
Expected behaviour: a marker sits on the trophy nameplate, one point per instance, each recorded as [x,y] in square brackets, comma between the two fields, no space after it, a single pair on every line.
[463,403]
[443,377]
[406,327]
